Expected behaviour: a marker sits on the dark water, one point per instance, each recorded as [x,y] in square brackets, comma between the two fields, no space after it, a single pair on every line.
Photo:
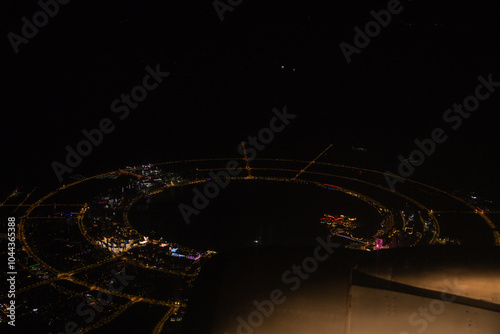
[276,213]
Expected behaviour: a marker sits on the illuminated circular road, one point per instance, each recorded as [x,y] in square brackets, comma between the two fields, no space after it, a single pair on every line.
[451,216]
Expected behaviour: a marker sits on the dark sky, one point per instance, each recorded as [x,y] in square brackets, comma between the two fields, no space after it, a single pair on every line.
[226,77]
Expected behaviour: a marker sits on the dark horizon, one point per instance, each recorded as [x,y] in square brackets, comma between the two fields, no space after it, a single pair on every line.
[225,79]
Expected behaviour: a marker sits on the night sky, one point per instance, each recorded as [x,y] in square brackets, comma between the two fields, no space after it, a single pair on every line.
[227,76]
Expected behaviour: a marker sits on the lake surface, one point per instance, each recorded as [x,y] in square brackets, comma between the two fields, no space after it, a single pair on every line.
[271,212]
